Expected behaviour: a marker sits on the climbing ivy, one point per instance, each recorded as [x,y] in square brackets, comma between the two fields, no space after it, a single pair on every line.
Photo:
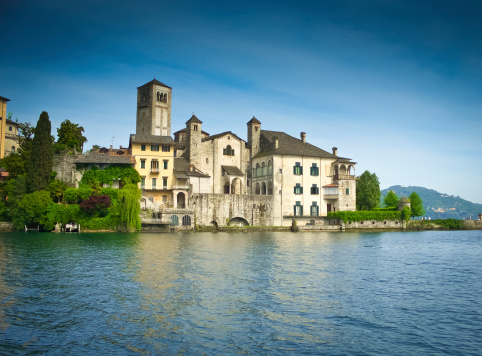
[95,177]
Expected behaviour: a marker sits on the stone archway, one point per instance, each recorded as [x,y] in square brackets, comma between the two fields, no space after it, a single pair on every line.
[181,200]
[236,186]
[238,221]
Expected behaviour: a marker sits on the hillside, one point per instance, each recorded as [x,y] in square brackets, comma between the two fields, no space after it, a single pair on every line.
[438,205]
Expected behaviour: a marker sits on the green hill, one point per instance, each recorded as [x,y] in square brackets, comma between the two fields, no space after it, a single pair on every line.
[438,205]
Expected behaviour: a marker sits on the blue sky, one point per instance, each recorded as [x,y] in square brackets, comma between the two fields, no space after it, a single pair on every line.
[395,85]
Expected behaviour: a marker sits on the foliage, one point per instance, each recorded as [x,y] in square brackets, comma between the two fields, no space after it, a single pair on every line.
[416,204]
[385,209]
[449,224]
[391,200]
[70,136]
[41,162]
[95,177]
[367,191]
[352,216]
[96,205]
[129,207]
[77,195]
[406,212]
[111,192]
[32,209]
[16,163]
[57,189]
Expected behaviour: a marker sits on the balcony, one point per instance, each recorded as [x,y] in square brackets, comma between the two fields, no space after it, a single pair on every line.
[154,170]
[344,177]
[330,196]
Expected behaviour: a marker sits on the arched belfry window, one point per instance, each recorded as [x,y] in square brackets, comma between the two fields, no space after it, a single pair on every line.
[159,96]
[228,151]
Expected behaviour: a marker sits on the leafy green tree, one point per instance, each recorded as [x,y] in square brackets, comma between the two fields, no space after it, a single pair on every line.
[16,163]
[57,189]
[39,169]
[70,135]
[367,191]
[32,209]
[391,200]
[416,204]
[129,206]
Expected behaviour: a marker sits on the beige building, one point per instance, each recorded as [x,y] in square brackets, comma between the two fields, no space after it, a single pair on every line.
[11,137]
[305,181]
[3,124]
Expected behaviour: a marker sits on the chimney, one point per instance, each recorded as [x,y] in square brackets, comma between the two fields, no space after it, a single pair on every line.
[275,139]
[121,147]
[111,147]
[335,150]
[303,137]
[191,167]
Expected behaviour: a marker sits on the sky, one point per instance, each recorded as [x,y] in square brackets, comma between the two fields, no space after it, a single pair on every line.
[395,85]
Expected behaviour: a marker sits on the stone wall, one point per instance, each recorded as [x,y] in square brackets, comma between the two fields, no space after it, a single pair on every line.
[65,168]
[373,224]
[473,224]
[220,209]
[6,226]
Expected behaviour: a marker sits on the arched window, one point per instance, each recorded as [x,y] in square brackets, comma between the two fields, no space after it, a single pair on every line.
[270,188]
[228,151]
[259,173]
[270,167]
[265,169]
[159,96]
[257,190]
[263,189]
[174,220]
[13,149]
[186,220]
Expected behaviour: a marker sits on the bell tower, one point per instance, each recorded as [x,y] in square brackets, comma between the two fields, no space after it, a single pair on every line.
[154,109]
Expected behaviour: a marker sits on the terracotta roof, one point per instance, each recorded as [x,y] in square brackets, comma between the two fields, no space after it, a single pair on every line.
[254,121]
[220,135]
[111,156]
[233,171]
[160,140]
[331,186]
[155,81]
[194,119]
[289,146]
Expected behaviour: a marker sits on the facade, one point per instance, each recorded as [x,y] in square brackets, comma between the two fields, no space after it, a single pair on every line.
[3,124]
[11,137]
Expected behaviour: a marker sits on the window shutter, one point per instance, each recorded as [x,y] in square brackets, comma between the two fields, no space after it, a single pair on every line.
[301,190]
[301,210]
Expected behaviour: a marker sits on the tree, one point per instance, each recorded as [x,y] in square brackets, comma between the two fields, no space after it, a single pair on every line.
[57,189]
[70,135]
[416,204]
[32,209]
[129,207]
[367,191]
[39,169]
[16,163]
[391,200]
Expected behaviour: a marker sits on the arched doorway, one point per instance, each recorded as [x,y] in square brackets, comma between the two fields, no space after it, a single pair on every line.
[236,186]
[238,222]
[181,200]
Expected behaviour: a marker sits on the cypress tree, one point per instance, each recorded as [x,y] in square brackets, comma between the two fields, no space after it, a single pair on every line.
[40,168]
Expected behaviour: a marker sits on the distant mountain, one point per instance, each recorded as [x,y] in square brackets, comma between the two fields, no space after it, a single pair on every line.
[438,205]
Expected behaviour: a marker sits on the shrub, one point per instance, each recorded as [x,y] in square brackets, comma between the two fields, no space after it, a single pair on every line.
[96,205]
[406,212]
[352,216]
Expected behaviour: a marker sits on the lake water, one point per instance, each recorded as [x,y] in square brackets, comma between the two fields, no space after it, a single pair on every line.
[337,293]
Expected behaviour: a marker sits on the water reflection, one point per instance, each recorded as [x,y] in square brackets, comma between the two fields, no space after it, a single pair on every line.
[323,293]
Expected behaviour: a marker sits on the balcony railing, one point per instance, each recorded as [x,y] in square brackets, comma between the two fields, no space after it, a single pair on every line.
[154,170]
[344,176]
[330,196]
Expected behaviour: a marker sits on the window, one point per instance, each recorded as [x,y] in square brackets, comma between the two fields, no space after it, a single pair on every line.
[154,183]
[330,190]
[270,167]
[164,182]
[315,189]
[155,148]
[154,166]
[228,151]
[297,169]
[314,209]
[195,127]
[264,169]
[226,188]
[314,170]
[143,163]
[298,209]
[166,148]
[186,220]
[174,220]
[270,188]
[298,189]
[165,162]
[257,190]
[347,191]
[10,128]
[13,149]
[164,198]
[263,189]
[254,173]
[143,147]
[143,182]
[259,172]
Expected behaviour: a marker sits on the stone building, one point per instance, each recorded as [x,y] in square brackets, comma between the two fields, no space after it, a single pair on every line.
[11,137]
[304,181]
